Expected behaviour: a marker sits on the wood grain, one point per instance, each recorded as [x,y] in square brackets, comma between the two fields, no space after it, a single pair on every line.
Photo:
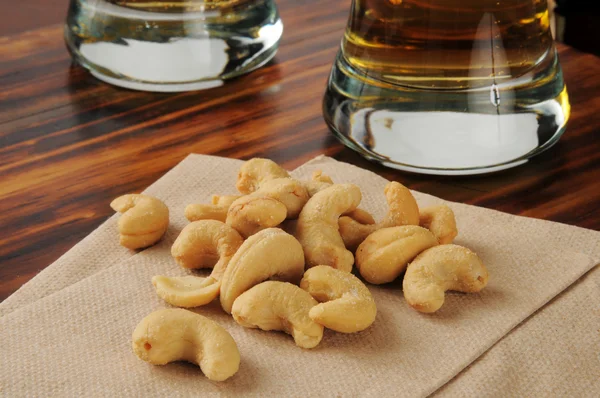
[69,143]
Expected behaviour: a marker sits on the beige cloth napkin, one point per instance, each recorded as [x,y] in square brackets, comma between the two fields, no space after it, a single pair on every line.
[68,332]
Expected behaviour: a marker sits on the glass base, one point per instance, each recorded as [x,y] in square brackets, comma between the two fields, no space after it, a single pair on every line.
[447,132]
[171,51]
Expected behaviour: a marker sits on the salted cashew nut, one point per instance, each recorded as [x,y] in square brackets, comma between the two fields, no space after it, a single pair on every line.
[255,172]
[347,305]
[186,291]
[318,176]
[224,200]
[201,244]
[385,254]
[272,200]
[144,221]
[176,334]
[360,216]
[267,207]
[403,210]
[281,306]
[442,268]
[206,244]
[251,176]
[318,182]
[217,210]
[288,191]
[268,254]
[250,214]
[317,228]
[440,221]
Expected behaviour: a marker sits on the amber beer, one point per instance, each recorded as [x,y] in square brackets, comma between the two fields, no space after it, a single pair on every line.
[448,44]
[447,86]
[177,5]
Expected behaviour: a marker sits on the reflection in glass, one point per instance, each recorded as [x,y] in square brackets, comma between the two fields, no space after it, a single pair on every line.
[447,86]
[172,45]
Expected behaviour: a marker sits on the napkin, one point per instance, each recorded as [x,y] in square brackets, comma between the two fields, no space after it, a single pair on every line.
[68,331]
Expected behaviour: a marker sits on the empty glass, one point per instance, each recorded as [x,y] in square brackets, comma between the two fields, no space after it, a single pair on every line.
[172,45]
[447,86]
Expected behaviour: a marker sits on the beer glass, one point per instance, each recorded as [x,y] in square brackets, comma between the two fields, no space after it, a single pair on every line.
[447,86]
[172,45]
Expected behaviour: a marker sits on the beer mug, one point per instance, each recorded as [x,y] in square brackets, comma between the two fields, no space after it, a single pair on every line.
[172,45]
[447,86]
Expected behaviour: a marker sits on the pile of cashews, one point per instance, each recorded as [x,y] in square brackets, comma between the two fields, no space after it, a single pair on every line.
[298,283]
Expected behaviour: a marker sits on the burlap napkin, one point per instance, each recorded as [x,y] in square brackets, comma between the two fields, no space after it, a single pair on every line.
[74,339]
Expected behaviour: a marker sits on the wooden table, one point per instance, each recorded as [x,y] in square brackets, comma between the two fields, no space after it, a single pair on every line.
[70,143]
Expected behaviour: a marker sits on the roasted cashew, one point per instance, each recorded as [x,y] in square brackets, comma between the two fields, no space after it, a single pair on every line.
[288,191]
[144,221]
[318,176]
[269,254]
[205,243]
[175,334]
[384,255]
[318,182]
[255,172]
[317,228]
[279,306]
[360,216]
[251,214]
[275,200]
[347,306]
[442,268]
[224,200]
[215,211]
[186,291]
[440,221]
[403,210]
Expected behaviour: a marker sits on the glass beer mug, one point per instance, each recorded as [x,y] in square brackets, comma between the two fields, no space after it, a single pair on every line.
[447,86]
[172,45]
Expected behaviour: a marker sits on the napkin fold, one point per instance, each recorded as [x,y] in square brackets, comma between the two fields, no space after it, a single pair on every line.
[68,331]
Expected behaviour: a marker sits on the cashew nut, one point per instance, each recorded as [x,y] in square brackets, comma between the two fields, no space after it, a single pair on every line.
[224,200]
[318,182]
[144,221]
[275,200]
[269,254]
[347,306]
[255,172]
[361,216]
[318,176]
[175,334]
[279,306]
[317,228]
[205,243]
[215,211]
[272,199]
[384,255]
[403,210]
[440,221]
[186,291]
[251,214]
[442,268]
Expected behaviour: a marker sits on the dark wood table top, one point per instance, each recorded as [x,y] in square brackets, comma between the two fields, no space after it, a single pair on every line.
[70,143]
